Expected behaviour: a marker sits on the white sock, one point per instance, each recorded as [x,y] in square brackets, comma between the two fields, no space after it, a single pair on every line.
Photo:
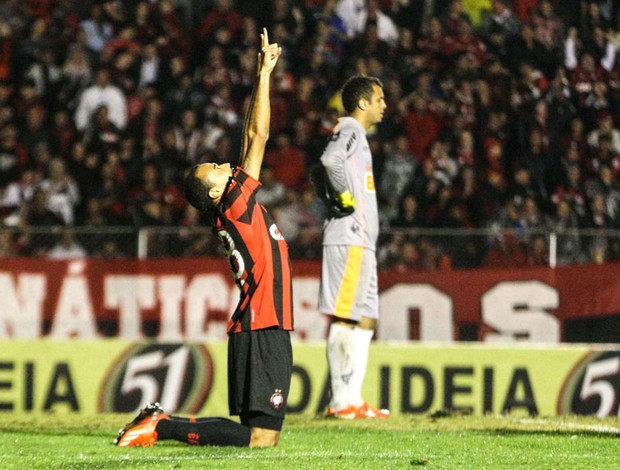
[361,344]
[340,360]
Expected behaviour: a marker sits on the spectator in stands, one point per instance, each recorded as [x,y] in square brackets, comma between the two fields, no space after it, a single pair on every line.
[598,250]
[295,173]
[97,28]
[67,247]
[389,250]
[76,71]
[605,127]
[8,247]
[605,185]
[190,137]
[598,217]
[8,45]
[45,74]
[102,135]
[272,190]
[13,155]
[102,92]
[151,66]
[62,134]
[356,14]
[605,155]
[220,115]
[223,13]
[422,123]
[408,258]
[499,26]
[153,203]
[549,28]
[35,213]
[182,95]
[537,70]
[35,40]
[26,99]
[193,237]
[565,224]
[537,251]
[109,249]
[409,214]
[286,215]
[17,194]
[583,72]
[108,199]
[62,191]
[505,251]
[398,168]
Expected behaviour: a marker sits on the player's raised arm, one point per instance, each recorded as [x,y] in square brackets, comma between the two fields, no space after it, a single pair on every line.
[258,114]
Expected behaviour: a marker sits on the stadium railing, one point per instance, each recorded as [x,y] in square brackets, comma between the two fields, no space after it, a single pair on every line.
[406,248]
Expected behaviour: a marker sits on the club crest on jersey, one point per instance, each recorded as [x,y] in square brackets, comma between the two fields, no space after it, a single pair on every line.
[275,232]
[334,136]
[277,399]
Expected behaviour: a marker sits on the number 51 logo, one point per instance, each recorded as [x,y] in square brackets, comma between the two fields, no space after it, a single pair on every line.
[593,388]
[178,376]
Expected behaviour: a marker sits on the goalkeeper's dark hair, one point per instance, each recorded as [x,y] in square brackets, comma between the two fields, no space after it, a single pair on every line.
[356,88]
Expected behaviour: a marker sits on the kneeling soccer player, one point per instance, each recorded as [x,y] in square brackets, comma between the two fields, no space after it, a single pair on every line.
[260,357]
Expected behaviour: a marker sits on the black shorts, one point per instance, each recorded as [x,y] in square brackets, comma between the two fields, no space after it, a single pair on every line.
[259,376]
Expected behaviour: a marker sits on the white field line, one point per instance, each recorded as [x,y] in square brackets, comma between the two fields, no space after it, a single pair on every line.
[572,426]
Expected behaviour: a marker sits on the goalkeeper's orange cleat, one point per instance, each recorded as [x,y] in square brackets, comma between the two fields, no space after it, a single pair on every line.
[363,411]
[369,411]
[141,431]
[348,412]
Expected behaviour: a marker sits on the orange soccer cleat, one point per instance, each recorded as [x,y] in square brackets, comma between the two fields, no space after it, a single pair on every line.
[141,431]
[363,411]
[348,412]
[368,411]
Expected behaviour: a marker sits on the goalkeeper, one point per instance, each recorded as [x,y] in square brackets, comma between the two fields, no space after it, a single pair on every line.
[348,290]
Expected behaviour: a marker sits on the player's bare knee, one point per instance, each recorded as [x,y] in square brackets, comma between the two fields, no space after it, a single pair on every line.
[261,437]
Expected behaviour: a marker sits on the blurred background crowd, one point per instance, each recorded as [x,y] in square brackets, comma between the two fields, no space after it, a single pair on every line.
[502,115]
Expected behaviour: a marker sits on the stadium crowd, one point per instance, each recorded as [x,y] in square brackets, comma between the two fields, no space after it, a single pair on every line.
[501,114]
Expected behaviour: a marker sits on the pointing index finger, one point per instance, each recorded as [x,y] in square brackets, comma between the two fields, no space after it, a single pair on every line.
[264,38]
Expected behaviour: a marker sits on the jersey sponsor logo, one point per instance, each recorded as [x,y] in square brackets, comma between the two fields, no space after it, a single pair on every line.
[369,181]
[275,232]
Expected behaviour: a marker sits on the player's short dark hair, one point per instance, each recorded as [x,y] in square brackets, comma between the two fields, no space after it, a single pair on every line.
[197,192]
[356,88]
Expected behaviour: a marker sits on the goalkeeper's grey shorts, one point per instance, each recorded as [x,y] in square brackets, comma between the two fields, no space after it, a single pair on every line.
[348,288]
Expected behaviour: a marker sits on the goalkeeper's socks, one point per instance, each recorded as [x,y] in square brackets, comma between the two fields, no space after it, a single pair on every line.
[361,344]
[204,431]
[340,359]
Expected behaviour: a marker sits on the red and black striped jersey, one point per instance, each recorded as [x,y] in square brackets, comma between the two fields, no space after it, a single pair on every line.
[258,256]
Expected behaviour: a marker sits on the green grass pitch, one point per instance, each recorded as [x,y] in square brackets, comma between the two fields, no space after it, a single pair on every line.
[442,441]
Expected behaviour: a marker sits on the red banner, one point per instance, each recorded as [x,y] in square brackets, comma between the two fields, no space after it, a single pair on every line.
[193,298]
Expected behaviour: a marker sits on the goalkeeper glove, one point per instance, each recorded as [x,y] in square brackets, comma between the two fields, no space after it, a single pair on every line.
[345,202]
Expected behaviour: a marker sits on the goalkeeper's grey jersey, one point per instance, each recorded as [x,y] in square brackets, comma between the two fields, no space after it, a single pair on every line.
[348,162]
